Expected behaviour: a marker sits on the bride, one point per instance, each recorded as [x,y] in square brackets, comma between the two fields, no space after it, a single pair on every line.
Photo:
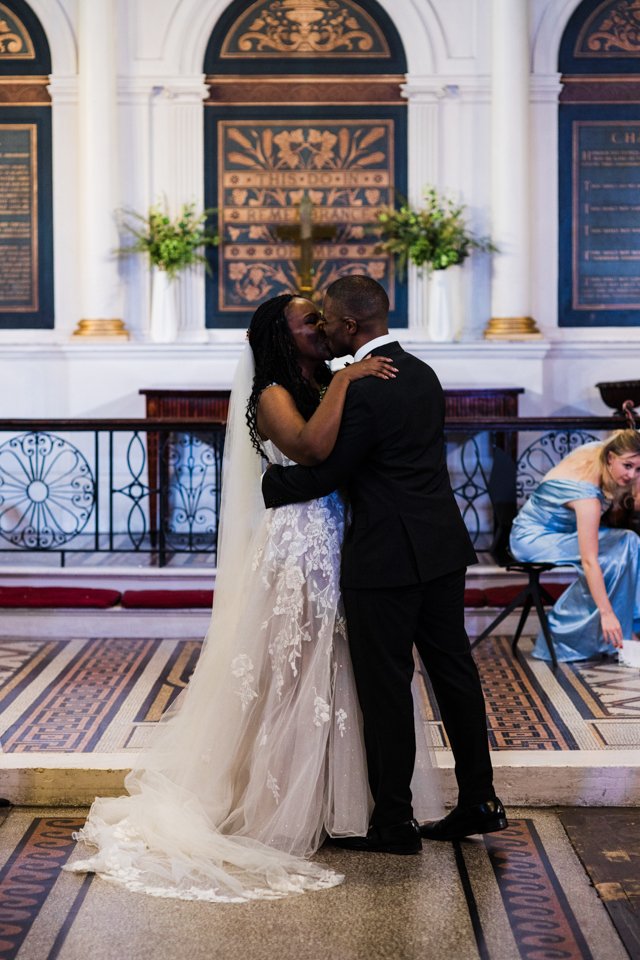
[262,755]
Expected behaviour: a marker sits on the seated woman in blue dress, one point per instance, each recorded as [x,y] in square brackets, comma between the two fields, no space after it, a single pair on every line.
[560,523]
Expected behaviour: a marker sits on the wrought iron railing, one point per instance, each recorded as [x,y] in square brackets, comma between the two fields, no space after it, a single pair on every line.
[153,486]
[110,486]
[535,444]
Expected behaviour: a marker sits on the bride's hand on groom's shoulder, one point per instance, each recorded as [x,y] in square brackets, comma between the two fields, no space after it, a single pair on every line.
[381,367]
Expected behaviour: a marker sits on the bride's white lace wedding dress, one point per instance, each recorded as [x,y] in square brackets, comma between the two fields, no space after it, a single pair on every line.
[262,755]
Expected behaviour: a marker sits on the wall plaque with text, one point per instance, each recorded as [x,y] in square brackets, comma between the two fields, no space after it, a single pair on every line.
[606,221]
[26,222]
[599,242]
[18,218]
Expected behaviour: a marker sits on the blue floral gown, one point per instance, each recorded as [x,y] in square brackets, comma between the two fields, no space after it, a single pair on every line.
[544,530]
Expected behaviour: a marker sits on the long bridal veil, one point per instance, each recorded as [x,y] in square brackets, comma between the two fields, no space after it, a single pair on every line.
[166,837]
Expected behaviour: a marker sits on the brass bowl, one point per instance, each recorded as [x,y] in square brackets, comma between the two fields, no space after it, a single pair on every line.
[616,392]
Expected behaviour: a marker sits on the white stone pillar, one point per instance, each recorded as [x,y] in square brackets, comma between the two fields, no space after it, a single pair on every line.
[423,95]
[66,207]
[466,177]
[177,176]
[545,93]
[510,187]
[134,133]
[99,280]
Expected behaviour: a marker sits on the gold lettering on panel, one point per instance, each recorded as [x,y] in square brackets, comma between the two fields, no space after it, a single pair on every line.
[19,224]
[345,170]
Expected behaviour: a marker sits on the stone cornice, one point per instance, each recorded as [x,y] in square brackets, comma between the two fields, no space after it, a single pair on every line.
[228,345]
[123,351]
[185,89]
[434,88]
[545,88]
[562,349]
[63,89]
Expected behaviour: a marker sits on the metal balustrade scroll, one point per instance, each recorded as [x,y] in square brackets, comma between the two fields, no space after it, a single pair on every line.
[91,487]
[544,453]
[194,469]
[47,491]
[468,461]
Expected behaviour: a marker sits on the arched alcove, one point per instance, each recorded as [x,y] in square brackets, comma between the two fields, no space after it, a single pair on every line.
[26,220]
[417,26]
[599,166]
[548,36]
[304,105]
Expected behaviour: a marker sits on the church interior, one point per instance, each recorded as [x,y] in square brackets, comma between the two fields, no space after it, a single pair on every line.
[281,135]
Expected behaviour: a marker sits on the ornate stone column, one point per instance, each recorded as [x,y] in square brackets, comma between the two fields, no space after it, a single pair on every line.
[99,280]
[511,202]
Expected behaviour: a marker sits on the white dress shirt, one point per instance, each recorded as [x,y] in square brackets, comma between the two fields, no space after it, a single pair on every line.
[371,345]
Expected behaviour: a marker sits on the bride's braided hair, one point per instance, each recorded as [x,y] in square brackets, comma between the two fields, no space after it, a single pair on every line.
[276,361]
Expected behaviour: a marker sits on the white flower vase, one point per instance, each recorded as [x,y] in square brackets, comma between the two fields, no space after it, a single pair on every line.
[163,327]
[445,305]
[440,319]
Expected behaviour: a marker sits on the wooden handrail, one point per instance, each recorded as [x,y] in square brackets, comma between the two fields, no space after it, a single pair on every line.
[191,425]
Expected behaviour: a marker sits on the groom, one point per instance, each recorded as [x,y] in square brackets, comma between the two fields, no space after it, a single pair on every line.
[403,569]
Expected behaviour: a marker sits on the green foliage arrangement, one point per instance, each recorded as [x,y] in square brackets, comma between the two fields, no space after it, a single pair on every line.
[434,236]
[170,244]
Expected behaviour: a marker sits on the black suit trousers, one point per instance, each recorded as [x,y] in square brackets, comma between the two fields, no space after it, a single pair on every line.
[384,625]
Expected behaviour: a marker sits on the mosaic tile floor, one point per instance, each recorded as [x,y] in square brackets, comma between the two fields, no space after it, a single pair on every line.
[518,895]
[105,694]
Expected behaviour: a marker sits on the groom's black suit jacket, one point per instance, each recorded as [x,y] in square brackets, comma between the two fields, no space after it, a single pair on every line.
[406,526]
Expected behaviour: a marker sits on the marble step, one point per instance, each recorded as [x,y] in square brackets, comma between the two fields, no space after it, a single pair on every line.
[583,778]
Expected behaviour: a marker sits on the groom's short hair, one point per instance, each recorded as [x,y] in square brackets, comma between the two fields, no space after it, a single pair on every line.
[359,297]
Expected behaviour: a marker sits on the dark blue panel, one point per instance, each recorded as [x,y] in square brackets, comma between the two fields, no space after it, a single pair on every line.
[42,315]
[599,223]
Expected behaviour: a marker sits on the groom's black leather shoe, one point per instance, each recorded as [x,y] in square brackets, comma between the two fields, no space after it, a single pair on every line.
[488,817]
[402,838]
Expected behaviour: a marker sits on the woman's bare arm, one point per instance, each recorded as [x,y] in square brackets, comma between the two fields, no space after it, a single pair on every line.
[309,442]
[588,521]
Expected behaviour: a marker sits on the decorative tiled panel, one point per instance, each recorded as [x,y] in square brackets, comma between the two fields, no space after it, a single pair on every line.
[304,28]
[610,690]
[611,31]
[541,919]
[15,42]
[30,875]
[72,712]
[345,168]
[107,694]
[520,715]
[170,682]
[517,894]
